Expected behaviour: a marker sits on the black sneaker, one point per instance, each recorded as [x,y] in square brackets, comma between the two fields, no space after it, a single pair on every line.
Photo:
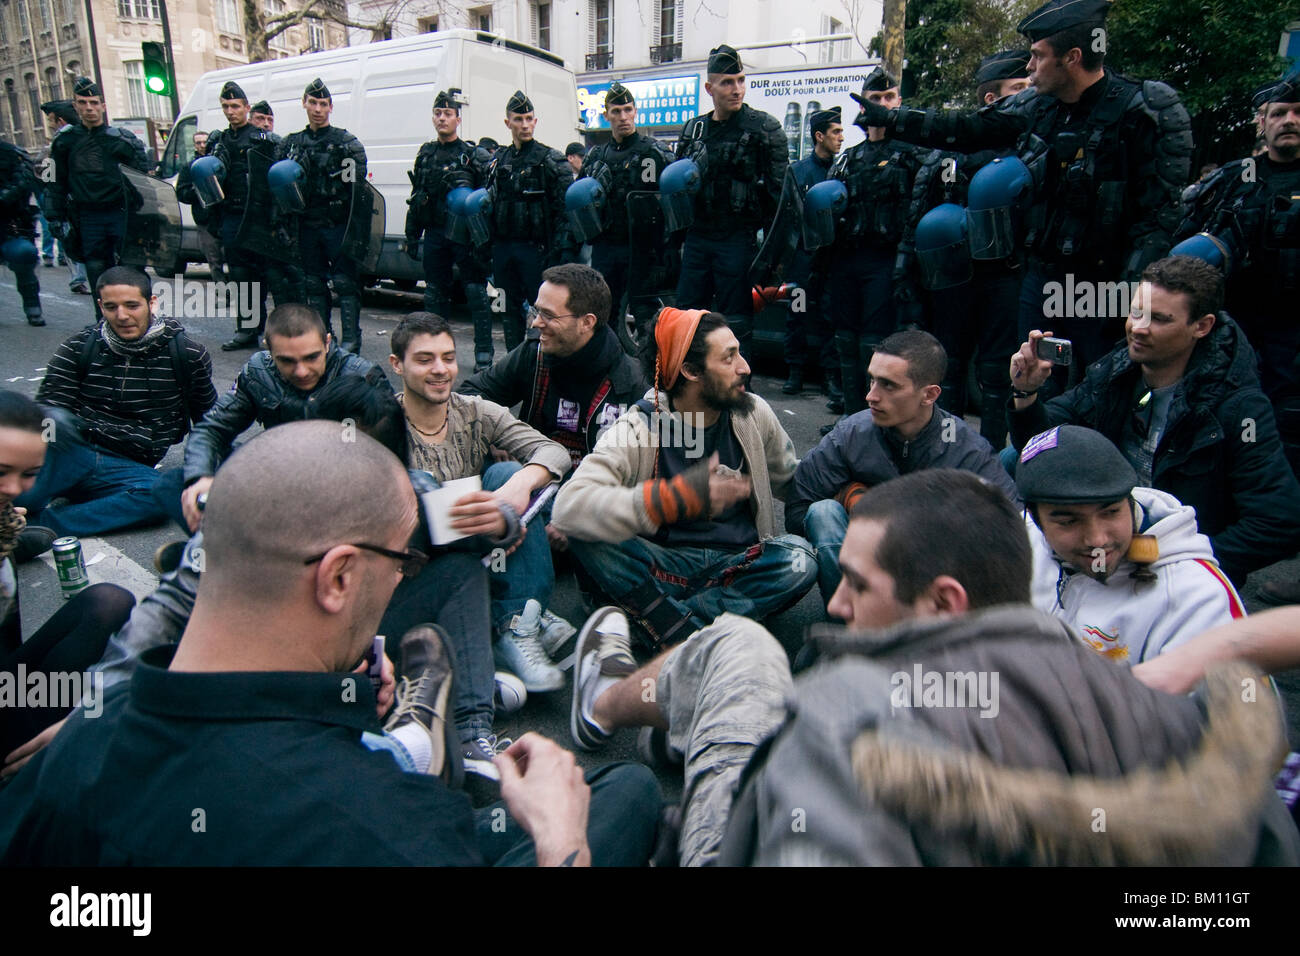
[168,556]
[244,340]
[33,541]
[425,697]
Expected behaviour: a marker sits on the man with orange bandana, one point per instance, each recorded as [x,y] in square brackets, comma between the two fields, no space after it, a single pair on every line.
[672,513]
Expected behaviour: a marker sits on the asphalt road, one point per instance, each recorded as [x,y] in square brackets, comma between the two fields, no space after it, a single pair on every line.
[127,558]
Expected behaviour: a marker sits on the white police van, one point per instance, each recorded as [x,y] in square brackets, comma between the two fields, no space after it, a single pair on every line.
[383,94]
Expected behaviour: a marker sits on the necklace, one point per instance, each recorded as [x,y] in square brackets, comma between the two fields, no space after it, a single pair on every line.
[433,434]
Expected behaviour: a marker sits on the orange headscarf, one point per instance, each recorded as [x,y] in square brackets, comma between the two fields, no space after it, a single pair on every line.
[673,335]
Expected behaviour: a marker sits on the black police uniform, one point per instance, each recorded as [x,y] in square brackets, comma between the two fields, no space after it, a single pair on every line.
[529,228]
[1108,173]
[439,168]
[743,161]
[622,168]
[1253,206]
[18,226]
[87,193]
[808,330]
[335,165]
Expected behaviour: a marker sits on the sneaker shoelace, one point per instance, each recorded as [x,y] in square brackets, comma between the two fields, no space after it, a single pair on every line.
[531,648]
[408,694]
[491,744]
[614,645]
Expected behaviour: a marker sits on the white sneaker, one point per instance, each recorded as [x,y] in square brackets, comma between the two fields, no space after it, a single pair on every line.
[555,633]
[510,693]
[598,648]
[518,650]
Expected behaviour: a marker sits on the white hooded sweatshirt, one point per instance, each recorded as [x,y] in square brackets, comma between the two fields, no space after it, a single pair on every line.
[1129,620]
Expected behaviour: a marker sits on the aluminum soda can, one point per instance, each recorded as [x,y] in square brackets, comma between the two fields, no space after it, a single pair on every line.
[71,566]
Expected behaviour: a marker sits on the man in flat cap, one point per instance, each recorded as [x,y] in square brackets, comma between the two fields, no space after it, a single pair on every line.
[240,219]
[878,174]
[333,190]
[743,158]
[808,330]
[443,164]
[629,163]
[975,319]
[1252,208]
[262,116]
[86,203]
[1109,155]
[526,181]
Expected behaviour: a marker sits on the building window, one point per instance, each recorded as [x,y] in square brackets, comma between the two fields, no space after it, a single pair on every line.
[667,43]
[315,35]
[4,26]
[602,22]
[53,88]
[667,21]
[275,8]
[46,24]
[227,16]
[11,94]
[142,102]
[69,11]
[34,97]
[427,24]
[23,25]
[831,52]
[542,25]
[138,10]
[480,18]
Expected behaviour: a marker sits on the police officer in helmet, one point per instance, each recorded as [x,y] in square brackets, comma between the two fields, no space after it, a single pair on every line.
[445,164]
[743,157]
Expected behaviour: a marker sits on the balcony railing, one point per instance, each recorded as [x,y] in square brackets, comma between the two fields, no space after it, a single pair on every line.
[599,61]
[665,53]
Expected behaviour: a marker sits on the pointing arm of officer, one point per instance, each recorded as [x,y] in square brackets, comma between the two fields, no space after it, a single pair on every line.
[996,126]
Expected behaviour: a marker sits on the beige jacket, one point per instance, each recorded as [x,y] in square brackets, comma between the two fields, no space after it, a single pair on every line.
[603,499]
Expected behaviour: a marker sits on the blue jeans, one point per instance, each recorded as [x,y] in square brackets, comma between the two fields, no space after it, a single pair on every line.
[825,524]
[108,493]
[528,572]
[703,582]
[715,275]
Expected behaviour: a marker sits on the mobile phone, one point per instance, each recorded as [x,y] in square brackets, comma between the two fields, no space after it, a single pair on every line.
[376,658]
[1056,351]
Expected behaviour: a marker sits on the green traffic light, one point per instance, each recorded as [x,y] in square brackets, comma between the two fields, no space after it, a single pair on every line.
[156,84]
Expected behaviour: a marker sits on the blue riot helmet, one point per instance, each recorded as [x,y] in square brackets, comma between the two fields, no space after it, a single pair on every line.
[678,184]
[822,207]
[586,206]
[285,179]
[478,212]
[19,252]
[207,173]
[457,229]
[1208,247]
[998,194]
[942,248]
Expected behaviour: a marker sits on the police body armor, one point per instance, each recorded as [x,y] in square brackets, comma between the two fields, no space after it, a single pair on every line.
[520,183]
[231,147]
[734,160]
[632,166]
[440,168]
[879,177]
[327,189]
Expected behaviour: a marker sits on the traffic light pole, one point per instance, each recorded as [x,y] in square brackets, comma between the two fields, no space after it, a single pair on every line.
[171,60]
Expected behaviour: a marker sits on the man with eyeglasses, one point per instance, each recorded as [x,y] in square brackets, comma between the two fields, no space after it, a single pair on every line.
[575,380]
[261,717]
[1181,400]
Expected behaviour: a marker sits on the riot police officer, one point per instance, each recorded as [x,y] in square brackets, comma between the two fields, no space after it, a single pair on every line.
[878,174]
[743,157]
[239,219]
[807,326]
[627,166]
[445,164]
[1109,157]
[86,203]
[526,183]
[263,117]
[18,226]
[974,318]
[334,224]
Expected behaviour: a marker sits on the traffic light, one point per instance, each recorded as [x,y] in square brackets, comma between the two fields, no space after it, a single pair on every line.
[157,77]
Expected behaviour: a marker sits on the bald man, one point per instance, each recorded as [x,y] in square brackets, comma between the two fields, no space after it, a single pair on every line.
[243,745]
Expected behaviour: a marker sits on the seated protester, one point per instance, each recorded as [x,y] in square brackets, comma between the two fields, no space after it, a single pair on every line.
[575,380]
[1123,566]
[1182,401]
[275,386]
[902,430]
[672,515]
[74,637]
[449,437]
[120,394]
[910,745]
[258,708]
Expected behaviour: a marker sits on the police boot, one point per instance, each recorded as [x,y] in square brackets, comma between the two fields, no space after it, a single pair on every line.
[794,381]
[995,392]
[435,301]
[852,377]
[350,319]
[318,298]
[30,290]
[481,314]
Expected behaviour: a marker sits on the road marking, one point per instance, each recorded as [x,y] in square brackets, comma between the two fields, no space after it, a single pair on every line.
[107,564]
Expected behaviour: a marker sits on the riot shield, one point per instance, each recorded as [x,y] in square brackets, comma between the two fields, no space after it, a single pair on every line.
[153,222]
[363,239]
[265,230]
[652,266]
[779,255]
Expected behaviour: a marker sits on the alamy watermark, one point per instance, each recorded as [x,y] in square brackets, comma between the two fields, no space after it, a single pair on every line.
[189,298]
[62,690]
[945,689]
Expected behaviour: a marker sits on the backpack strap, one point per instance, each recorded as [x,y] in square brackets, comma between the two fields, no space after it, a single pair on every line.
[86,357]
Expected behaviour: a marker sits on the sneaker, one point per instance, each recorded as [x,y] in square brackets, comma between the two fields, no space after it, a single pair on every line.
[518,650]
[33,314]
[168,556]
[80,288]
[510,693]
[33,541]
[655,752]
[555,633]
[602,644]
[479,756]
[424,696]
